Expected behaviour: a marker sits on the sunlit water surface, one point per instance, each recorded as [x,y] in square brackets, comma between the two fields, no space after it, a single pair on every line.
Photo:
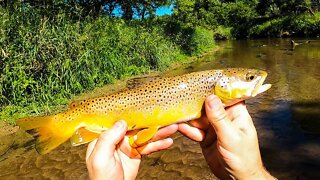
[287,118]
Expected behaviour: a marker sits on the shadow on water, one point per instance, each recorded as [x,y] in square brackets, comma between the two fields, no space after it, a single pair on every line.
[289,135]
[307,116]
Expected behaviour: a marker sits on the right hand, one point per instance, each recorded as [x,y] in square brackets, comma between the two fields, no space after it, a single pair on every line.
[228,140]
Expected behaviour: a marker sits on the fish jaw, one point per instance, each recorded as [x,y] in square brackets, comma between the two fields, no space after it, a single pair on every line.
[260,87]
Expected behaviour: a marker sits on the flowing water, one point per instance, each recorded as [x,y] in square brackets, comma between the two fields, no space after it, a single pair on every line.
[287,118]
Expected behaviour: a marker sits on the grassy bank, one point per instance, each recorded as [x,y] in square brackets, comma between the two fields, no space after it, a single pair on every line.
[44,61]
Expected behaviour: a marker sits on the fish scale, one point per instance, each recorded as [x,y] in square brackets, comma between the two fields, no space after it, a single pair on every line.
[175,90]
[155,104]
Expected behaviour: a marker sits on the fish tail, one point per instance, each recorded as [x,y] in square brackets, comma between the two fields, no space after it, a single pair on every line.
[41,128]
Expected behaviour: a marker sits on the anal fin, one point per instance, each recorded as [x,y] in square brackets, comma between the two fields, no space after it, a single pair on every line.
[82,136]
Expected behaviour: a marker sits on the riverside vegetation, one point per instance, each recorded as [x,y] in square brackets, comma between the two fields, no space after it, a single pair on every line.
[53,50]
[46,60]
[251,19]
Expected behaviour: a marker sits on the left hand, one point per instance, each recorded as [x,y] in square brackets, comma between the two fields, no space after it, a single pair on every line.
[111,156]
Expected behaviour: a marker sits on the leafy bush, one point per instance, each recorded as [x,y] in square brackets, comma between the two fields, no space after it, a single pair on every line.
[269,28]
[200,40]
[304,24]
[237,15]
[222,33]
[307,24]
[45,61]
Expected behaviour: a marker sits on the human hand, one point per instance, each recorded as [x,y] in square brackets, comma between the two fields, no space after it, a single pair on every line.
[111,156]
[228,140]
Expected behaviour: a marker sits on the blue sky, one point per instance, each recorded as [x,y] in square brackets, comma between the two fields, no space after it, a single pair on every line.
[164,10]
[160,11]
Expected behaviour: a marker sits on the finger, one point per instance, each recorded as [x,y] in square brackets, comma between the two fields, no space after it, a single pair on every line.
[238,110]
[209,139]
[242,118]
[106,143]
[219,119]
[90,148]
[191,132]
[201,123]
[165,132]
[155,146]
[127,149]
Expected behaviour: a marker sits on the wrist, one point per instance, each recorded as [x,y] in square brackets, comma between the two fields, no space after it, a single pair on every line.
[261,174]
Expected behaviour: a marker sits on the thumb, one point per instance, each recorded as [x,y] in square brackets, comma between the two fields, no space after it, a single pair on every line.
[219,119]
[108,140]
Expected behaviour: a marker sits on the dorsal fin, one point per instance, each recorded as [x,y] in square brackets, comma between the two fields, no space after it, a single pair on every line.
[138,81]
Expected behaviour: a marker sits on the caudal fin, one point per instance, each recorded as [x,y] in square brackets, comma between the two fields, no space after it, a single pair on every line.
[42,129]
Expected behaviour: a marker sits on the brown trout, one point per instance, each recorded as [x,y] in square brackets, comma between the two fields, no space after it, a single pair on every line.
[148,107]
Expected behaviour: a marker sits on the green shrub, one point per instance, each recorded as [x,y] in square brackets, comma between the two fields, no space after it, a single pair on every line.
[307,24]
[304,24]
[222,33]
[200,40]
[43,62]
[271,28]
[238,15]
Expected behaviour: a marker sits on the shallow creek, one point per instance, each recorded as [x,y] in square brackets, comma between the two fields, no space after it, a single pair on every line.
[287,118]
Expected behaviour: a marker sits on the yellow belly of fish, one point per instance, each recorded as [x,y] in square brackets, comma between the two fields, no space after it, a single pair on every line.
[148,122]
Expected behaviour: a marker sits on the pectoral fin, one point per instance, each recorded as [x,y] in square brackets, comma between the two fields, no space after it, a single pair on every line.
[82,136]
[142,136]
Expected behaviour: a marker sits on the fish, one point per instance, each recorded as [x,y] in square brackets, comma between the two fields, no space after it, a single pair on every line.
[146,108]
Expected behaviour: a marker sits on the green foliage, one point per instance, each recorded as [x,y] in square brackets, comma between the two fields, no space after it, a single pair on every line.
[282,8]
[304,24]
[273,28]
[307,24]
[200,40]
[94,8]
[184,13]
[44,60]
[244,18]
[222,33]
[239,16]
[211,14]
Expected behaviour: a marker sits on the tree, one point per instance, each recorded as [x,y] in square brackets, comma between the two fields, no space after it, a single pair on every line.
[277,8]
[139,8]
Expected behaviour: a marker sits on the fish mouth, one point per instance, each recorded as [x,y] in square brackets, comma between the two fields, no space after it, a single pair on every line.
[260,87]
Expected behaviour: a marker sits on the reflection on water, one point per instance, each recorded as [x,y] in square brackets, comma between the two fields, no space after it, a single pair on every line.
[287,118]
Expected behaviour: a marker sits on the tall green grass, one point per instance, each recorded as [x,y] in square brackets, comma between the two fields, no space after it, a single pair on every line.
[46,60]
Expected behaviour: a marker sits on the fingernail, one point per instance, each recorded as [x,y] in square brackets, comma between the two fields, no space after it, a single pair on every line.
[214,102]
[119,124]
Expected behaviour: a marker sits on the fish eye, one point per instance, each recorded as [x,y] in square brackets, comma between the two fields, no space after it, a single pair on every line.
[250,77]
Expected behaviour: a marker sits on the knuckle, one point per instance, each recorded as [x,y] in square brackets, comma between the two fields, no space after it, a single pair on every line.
[219,116]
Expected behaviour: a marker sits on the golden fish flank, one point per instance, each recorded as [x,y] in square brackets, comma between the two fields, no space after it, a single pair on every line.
[148,107]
